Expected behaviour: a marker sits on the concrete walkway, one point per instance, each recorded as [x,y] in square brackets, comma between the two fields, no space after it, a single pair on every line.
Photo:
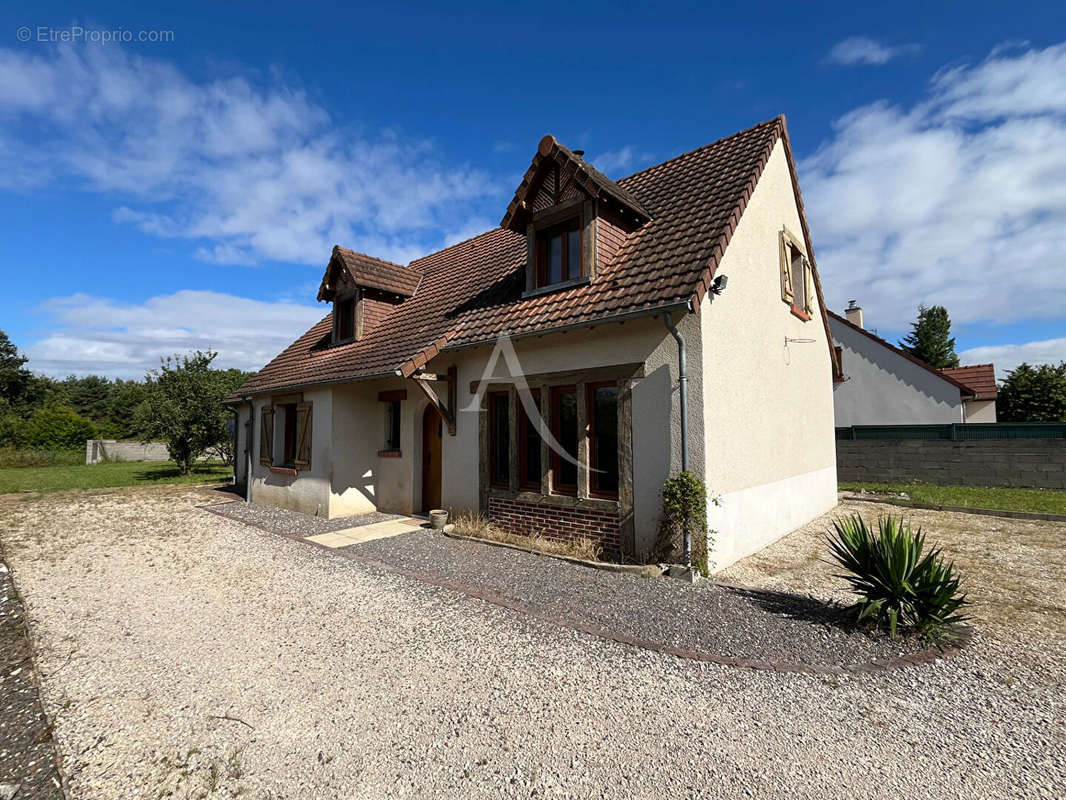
[366,533]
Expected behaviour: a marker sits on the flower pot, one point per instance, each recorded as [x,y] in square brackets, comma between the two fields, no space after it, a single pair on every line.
[438,518]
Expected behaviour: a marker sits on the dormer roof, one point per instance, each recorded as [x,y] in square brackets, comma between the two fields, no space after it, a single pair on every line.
[557,172]
[347,267]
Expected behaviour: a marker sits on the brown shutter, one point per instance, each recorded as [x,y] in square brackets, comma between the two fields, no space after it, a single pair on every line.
[266,437]
[786,269]
[808,289]
[303,436]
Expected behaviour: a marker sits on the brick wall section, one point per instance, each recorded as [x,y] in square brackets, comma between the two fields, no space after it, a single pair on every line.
[610,238]
[1014,463]
[556,522]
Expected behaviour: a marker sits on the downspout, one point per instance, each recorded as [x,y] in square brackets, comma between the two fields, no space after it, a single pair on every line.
[249,430]
[682,396]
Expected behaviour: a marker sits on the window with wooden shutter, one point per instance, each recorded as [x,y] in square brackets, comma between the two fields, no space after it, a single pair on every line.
[303,436]
[266,437]
[785,257]
[808,291]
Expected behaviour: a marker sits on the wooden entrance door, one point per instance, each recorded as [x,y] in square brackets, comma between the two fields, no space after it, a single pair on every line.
[431,457]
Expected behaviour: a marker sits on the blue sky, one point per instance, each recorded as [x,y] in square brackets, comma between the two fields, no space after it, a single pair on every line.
[162,196]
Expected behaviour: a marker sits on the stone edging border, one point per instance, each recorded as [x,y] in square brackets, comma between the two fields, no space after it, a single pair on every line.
[985,512]
[918,658]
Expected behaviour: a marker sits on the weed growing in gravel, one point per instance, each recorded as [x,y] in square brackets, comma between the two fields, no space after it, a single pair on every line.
[903,587]
[468,523]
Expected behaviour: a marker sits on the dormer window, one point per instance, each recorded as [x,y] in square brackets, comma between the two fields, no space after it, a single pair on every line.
[559,253]
[344,319]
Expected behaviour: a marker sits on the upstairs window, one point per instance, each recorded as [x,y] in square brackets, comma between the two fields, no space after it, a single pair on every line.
[344,313]
[559,253]
[797,287]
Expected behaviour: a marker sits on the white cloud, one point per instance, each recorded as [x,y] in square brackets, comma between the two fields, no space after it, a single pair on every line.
[1008,356]
[104,337]
[863,50]
[621,162]
[249,172]
[957,200]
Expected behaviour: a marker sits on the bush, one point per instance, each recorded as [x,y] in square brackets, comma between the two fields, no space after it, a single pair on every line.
[685,508]
[57,428]
[902,586]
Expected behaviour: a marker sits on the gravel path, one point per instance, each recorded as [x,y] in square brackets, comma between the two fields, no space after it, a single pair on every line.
[155,619]
[703,618]
[293,523]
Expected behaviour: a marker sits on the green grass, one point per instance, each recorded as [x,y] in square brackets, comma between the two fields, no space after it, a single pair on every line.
[1041,501]
[98,476]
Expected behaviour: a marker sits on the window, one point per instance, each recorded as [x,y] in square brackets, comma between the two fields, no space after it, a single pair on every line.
[559,253]
[564,429]
[287,414]
[345,322]
[392,426]
[500,439]
[603,439]
[529,469]
[798,269]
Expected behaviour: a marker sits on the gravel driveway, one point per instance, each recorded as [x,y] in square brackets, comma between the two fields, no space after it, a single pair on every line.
[191,656]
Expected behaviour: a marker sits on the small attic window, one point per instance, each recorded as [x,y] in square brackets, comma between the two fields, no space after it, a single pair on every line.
[559,253]
[344,314]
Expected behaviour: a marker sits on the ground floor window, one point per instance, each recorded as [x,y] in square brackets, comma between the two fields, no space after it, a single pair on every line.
[564,429]
[500,439]
[392,425]
[603,439]
[529,468]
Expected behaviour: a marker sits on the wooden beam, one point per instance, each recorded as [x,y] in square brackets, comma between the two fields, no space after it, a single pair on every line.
[446,407]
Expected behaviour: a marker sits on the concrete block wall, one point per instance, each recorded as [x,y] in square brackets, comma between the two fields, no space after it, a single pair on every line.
[1014,463]
[96,450]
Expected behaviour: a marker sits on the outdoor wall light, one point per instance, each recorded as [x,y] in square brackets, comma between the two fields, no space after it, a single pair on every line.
[719,284]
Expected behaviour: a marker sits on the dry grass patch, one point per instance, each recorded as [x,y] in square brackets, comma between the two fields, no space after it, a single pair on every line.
[477,525]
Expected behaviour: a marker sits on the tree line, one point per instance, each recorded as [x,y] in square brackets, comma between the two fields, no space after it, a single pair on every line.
[179,403]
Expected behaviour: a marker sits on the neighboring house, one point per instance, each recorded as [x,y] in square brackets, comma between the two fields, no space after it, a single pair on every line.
[884,385]
[402,398]
[982,379]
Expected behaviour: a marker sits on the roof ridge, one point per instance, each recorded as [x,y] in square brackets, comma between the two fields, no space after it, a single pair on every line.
[337,247]
[779,119]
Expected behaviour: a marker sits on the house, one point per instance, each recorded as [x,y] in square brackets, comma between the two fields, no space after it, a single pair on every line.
[606,300]
[880,384]
[982,379]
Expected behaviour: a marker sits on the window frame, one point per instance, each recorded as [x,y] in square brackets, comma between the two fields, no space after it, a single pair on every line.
[593,455]
[393,426]
[494,398]
[556,486]
[524,423]
[542,240]
[289,435]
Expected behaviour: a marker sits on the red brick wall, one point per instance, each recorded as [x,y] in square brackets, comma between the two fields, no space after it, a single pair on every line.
[555,522]
[611,237]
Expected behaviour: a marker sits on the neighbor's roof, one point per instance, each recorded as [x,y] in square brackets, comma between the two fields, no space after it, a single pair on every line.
[964,389]
[472,291]
[979,377]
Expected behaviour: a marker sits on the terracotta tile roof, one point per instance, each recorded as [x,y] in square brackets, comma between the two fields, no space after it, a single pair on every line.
[964,389]
[979,377]
[376,273]
[471,291]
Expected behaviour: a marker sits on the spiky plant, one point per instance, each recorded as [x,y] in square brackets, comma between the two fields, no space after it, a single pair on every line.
[902,586]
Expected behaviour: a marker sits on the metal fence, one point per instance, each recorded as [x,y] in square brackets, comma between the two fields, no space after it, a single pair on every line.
[958,432]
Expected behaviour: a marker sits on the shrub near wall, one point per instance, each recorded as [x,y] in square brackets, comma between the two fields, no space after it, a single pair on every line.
[56,428]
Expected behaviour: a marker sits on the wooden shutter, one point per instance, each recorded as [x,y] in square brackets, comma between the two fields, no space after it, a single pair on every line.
[266,437]
[303,436]
[808,288]
[786,269]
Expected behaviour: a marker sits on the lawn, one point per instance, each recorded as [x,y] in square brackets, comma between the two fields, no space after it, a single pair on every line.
[1043,501]
[98,476]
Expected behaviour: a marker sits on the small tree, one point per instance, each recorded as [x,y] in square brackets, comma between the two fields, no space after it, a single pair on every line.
[1033,394]
[56,428]
[183,406]
[14,377]
[930,338]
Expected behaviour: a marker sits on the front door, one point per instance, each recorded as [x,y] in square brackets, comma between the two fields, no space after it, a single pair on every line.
[431,458]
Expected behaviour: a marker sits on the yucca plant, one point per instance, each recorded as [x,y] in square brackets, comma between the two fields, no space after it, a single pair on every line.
[902,586]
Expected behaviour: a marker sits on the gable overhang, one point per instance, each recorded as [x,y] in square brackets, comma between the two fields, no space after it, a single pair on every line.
[592,183]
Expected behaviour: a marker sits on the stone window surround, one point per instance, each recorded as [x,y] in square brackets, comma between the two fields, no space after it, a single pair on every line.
[624,374]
